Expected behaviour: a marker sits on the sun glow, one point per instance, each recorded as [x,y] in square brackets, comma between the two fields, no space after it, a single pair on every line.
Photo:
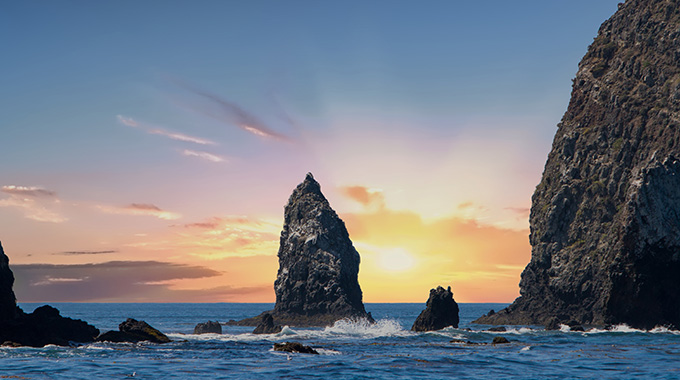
[395,259]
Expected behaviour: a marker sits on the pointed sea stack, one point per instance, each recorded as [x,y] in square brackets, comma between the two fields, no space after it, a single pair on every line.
[605,218]
[318,266]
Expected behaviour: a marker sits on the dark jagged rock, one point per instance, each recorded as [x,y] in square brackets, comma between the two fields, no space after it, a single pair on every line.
[552,324]
[267,325]
[497,329]
[605,218]
[295,347]
[499,340]
[441,311]
[8,302]
[209,327]
[41,327]
[133,331]
[316,284]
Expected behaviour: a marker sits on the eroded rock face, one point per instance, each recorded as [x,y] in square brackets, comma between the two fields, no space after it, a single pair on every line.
[267,325]
[8,303]
[605,218]
[441,311]
[318,265]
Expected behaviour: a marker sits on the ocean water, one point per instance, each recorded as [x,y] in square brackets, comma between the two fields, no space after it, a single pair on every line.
[349,350]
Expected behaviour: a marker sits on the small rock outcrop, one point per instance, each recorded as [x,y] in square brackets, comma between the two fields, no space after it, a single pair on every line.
[500,340]
[605,218]
[267,325]
[294,347]
[209,327]
[133,331]
[441,311]
[317,283]
[43,326]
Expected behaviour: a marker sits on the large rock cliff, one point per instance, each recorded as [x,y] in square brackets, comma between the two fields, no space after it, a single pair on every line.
[605,218]
[8,303]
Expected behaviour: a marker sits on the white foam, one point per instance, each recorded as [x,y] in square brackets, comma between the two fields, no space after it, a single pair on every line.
[362,328]
[324,351]
[527,348]
[565,328]
[286,331]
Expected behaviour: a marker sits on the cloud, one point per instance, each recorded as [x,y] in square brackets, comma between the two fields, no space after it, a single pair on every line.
[181,137]
[366,196]
[118,281]
[127,121]
[36,203]
[29,191]
[152,130]
[75,253]
[204,155]
[230,113]
[142,209]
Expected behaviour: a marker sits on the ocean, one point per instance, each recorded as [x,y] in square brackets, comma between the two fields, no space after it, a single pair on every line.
[349,350]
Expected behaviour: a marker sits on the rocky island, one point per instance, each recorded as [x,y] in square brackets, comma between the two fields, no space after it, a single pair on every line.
[605,218]
[317,283]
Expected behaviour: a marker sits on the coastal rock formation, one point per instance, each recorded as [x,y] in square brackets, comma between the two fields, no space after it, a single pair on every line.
[605,218]
[441,311]
[133,331]
[209,327]
[41,327]
[8,302]
[267,325]
[317,281]
[295,347]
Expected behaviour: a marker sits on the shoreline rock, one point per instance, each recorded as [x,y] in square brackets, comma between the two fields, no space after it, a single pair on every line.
[134,331]
[43,326]
[295,347]
[267,325]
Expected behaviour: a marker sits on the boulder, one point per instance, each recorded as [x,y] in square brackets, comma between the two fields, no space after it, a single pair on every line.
[209,327]
[605,218]
[497,329]
[133,331]
[441,311]
[499,340]
[267,326]
[295,347]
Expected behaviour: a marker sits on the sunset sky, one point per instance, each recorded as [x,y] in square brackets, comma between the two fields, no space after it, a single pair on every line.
[148,148]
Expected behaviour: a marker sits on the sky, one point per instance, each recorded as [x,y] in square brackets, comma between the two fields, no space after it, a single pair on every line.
[148,148]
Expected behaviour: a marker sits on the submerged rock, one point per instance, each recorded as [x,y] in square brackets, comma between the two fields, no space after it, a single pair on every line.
[43,326]
[295,347]
[316,284]
[267,325]
[209,327]
[605,218]
[133,331]
[441,311]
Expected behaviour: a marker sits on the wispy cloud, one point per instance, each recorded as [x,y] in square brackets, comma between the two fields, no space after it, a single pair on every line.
[143,209]
[204,155]
[230,113]
[181,137]
[78,253]
[37,203]
[154,130]
[29,191]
